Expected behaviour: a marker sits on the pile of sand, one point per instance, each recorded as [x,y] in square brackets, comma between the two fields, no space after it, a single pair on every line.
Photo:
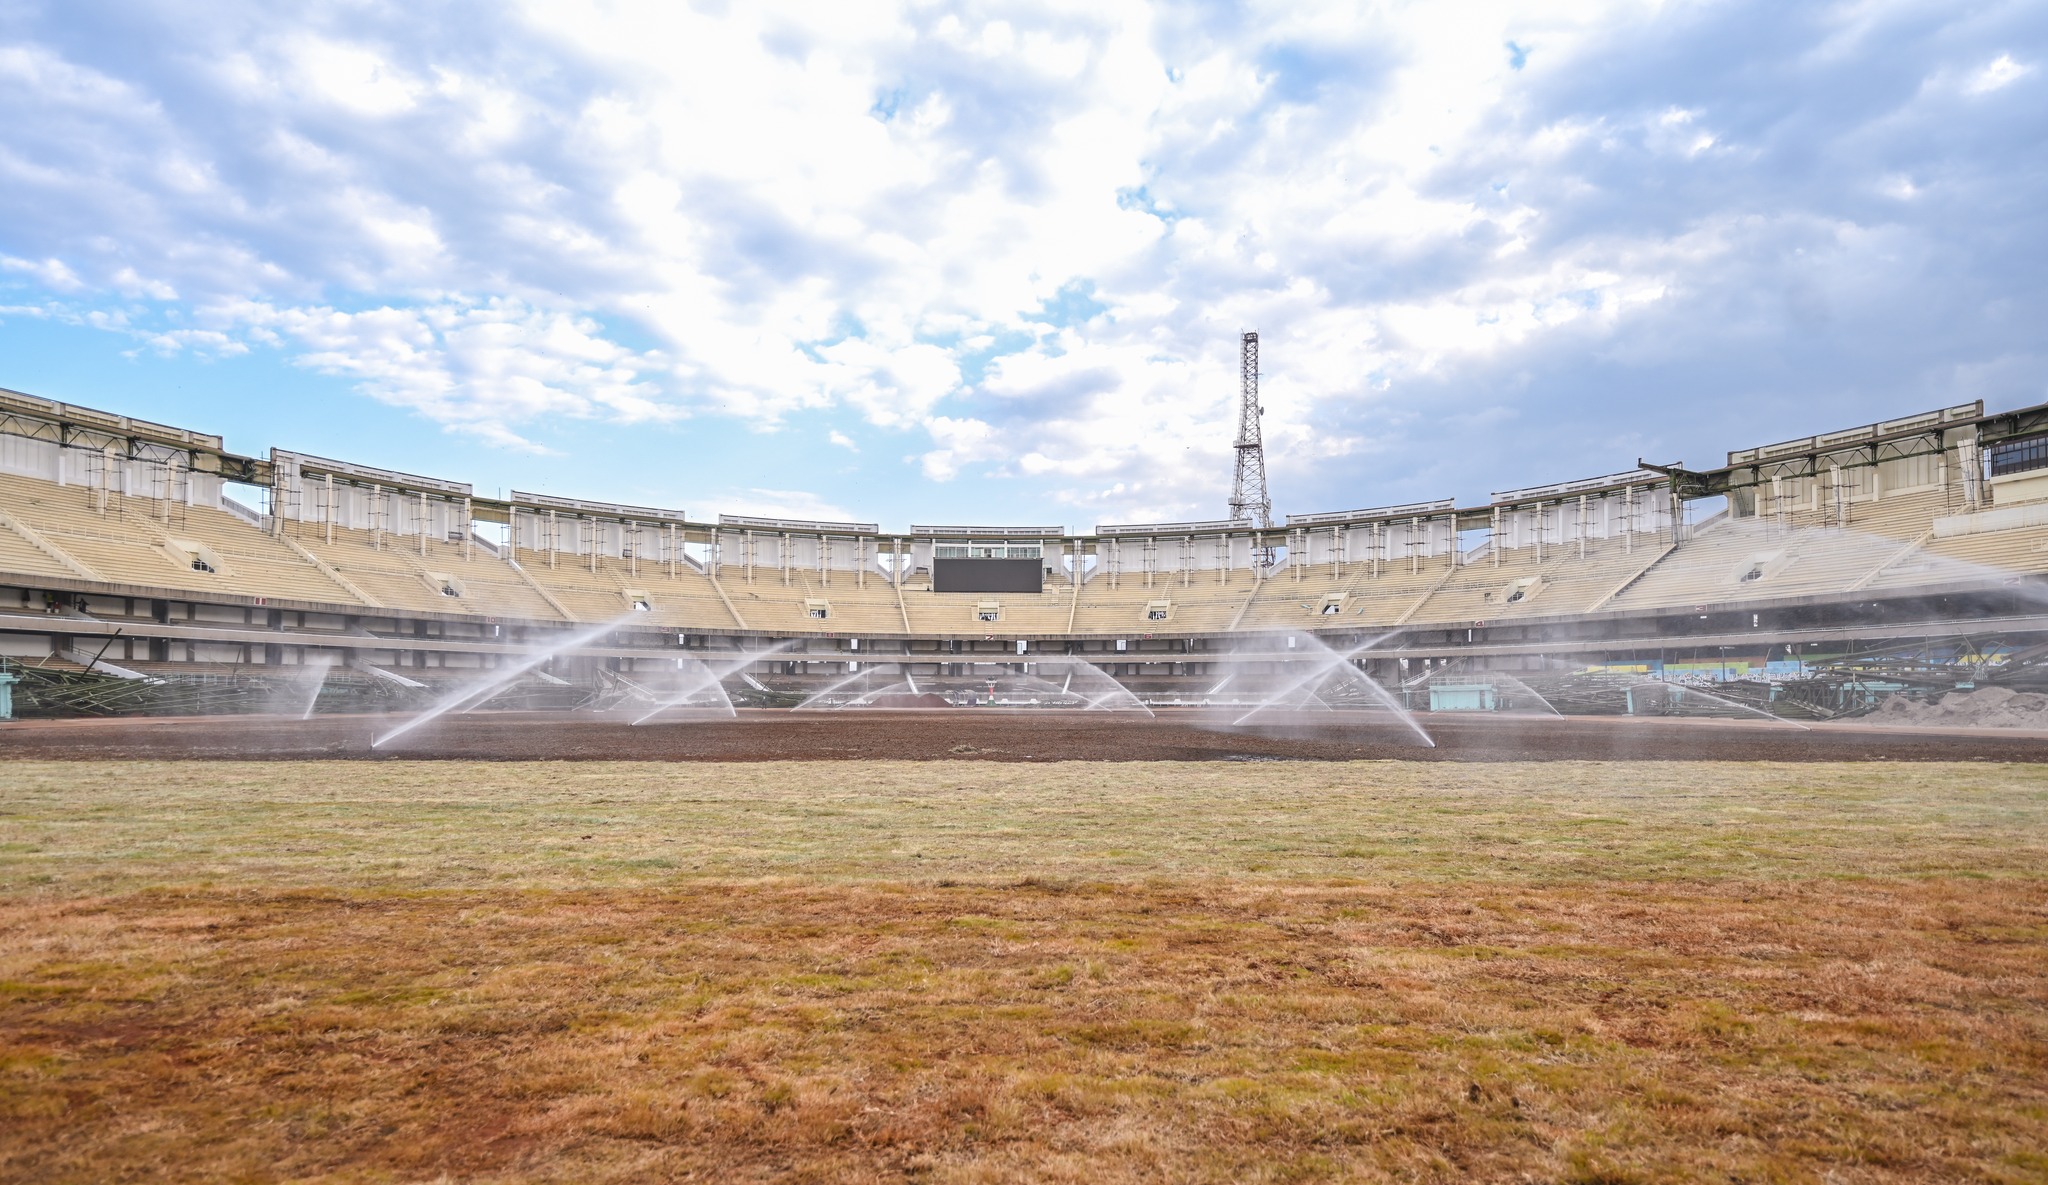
[1988,707]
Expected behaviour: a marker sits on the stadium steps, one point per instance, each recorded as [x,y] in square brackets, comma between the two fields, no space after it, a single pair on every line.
[686,598]
[263,566]
[23,553]
[1204,605]
[1033,614]
[1480,590]
[853,609]
[769,604]
[395,574]
[68,519]
[130,545]
[1709,568]
[1901,515]
[1992,555]
[1283,602]
[1558,584]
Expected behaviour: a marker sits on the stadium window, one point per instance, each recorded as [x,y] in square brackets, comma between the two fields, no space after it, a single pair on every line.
[1753,574]
[1160,614]
[642,607]
[2019,456]
[988,615]
[199,565]
[819,612]
[448,590]
[1332,609]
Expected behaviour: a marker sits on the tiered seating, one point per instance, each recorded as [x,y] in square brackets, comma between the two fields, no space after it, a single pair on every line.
[1793,562]
[856,607]
[1204,604]
[1991,555]
[394,574]
[1564,582]
[1369,600]
[272,568]
[67,517]
[686,600]
[954,613]
[1901,516]
[126,546]
[20,557]
[1480,590]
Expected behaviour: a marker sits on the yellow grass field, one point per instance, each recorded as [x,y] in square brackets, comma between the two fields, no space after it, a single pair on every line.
[975,972]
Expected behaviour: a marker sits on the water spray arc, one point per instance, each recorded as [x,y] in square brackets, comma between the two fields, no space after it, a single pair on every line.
[497,680]
[1330,662]
[1322,670]
[1125,699]
[709,677]
[1686,689]
[810,701]
[313,697]
[1084,687]
[699,678]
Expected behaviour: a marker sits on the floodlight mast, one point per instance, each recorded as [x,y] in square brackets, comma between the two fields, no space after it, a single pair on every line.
[1248,497]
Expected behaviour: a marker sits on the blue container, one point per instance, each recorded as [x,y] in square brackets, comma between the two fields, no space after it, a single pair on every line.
[1461,697]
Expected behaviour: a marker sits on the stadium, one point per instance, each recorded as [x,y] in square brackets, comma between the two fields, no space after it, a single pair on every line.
[1631,827]
[149,570]
[628,592]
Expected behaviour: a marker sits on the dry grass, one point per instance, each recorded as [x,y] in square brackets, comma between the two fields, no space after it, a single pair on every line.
[977,973]
[78,827]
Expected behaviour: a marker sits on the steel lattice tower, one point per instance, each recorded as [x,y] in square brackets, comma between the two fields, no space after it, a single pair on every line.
[1248,498]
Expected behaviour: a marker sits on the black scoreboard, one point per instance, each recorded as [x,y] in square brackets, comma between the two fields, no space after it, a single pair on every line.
[988,576]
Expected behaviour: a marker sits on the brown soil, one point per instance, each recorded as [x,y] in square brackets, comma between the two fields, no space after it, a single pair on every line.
[1836,1030]
[999,736]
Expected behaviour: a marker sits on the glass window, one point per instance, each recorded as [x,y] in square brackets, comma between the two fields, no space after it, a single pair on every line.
[2019,456]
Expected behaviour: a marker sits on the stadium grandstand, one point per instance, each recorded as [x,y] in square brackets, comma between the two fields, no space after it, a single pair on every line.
[1881,557]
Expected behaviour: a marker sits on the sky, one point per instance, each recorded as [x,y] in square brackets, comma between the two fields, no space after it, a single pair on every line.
[989,263]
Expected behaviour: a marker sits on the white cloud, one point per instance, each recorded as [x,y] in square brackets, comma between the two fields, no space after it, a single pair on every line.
[1997,74]
[842,440]
[54,274]
[475,367]
[1023,239]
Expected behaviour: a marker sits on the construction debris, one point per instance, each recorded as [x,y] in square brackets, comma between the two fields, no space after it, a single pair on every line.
[1986,707]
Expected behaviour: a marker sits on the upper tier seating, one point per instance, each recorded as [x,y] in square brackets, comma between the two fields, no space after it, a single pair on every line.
[131,544]
[1810,549]
[1520,585]
[1203,604]
[1297,598]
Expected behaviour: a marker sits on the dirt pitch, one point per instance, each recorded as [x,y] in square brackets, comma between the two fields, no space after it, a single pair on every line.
[980,971]
[988,735]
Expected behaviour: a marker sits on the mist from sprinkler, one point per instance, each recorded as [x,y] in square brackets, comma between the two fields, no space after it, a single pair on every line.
[326,668]
[1331,661]
[713,678]
[481,690]
[1100,691]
